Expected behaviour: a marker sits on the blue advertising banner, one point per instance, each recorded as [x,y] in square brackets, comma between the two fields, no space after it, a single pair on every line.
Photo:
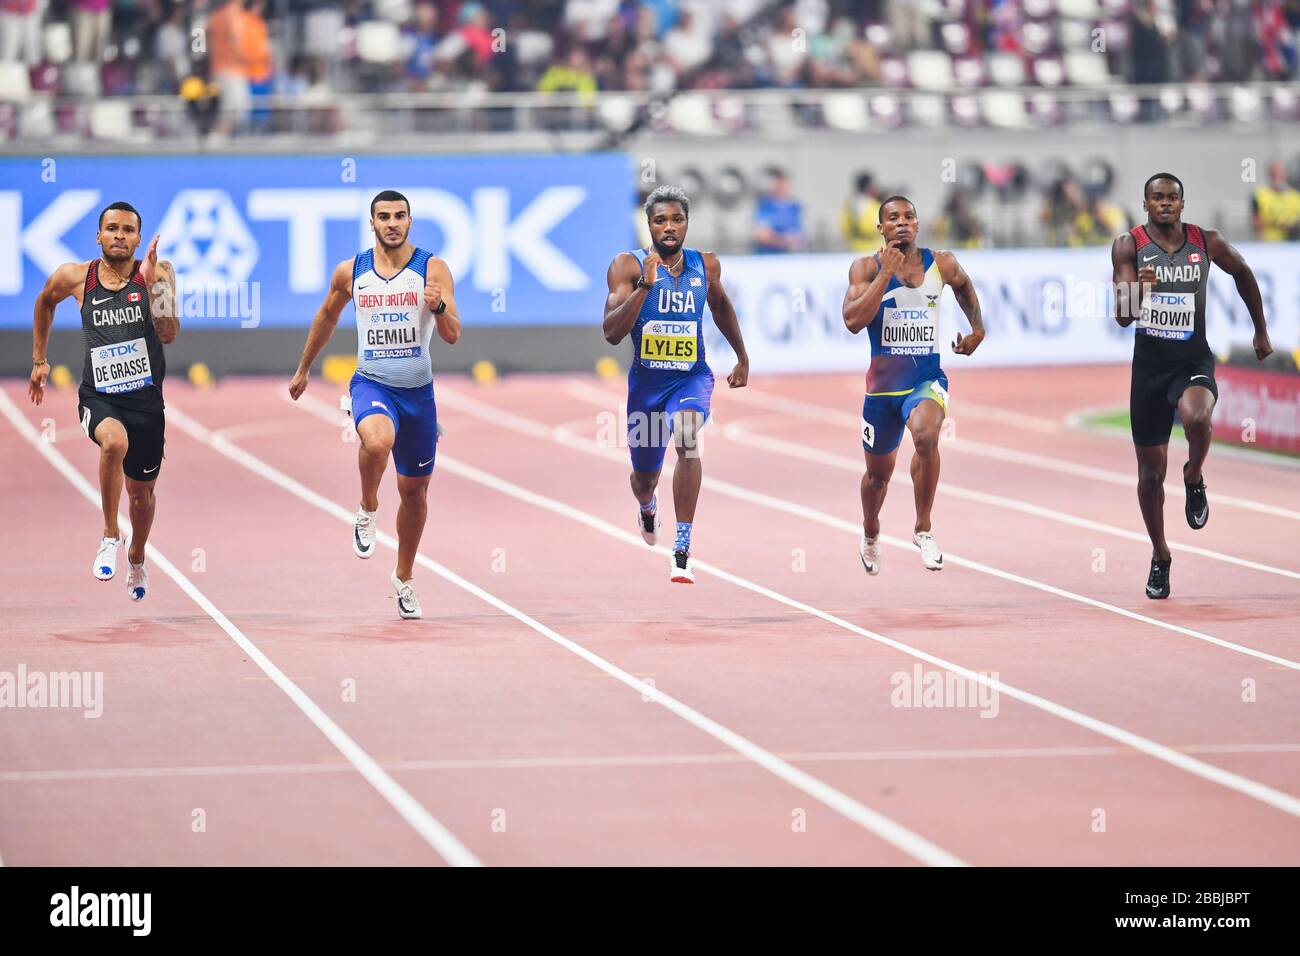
[254,238]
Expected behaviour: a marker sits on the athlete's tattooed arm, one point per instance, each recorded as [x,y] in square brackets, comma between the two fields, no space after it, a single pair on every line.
[954,276]
[724,317]
[322,327]
[64,282]
[1223,255]
[1125,278]
[624,301]
[440,287]
[162,303]
[867,284]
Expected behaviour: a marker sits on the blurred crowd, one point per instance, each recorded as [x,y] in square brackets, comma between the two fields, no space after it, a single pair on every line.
[311,48]
[1074,209]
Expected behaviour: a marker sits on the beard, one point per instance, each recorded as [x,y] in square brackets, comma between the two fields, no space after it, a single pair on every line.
[391,243]
[667,253]
[116,257]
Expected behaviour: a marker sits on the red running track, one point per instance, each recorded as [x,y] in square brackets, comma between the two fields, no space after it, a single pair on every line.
[510,725]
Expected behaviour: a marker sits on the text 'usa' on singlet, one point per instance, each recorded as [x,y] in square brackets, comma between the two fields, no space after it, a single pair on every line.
[668,337]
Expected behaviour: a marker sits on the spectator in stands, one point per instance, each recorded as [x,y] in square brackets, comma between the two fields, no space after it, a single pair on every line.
[574,74]
[420,39]
[1098,222]
[786,50]
[1275,208]
[171,48]
[255,38]
[778,219]
[1062,206]
[958,226]
[228,64]
[859,215]
[92,25]
[20,31]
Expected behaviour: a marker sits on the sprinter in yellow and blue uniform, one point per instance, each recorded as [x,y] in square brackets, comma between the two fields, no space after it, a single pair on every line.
[894,295]
[657,295]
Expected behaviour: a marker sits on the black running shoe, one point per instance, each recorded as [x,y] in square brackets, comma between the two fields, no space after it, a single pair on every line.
[1158,580]
[648,525]
[1198,508]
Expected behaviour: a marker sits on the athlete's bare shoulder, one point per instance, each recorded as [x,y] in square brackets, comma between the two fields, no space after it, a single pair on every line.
[712,265]
[623,268]
[67,280]
[864,269]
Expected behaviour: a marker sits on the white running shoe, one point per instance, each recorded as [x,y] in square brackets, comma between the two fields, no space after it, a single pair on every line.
[683,572]
[363,534]
[930,555]
[869,552]
[137,580]
[648,524]
[408,605]
[105,565]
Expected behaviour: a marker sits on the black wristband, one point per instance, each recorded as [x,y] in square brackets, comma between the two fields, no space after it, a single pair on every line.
[640,283]
[442,307]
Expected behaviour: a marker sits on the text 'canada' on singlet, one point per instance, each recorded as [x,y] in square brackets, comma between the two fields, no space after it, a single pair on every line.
[124,356]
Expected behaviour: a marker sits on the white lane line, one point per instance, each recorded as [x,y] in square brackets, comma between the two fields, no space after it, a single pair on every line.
[1243,785]
[630,760]
[892,832]
[780,446]
[983,449]
[569,440]
[423,822]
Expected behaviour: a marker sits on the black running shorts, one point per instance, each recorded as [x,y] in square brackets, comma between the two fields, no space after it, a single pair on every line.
[1156,389]
[144,433]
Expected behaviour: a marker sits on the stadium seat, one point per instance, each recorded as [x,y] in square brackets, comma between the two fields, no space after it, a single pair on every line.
[846,111]
[58,42]
[970,71]
[692,113]
[44,78]
[1037,38]
[956,38]
[14,83]
[965,110]
[111,119]
[893,72]
[378,41]
[930,70]
[1004,108]
[616,112]
[1049,72]
[1247,104]
[81,79]
[1078,9]
[1123,107]
[927,109]
[1006,69]
[1284,104]
[1075,35]
[1037,9]
[886,111]
[1086,68]
[1045,108]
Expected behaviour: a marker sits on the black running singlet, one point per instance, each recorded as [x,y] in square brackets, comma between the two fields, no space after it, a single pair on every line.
[1172,323]
[124,356]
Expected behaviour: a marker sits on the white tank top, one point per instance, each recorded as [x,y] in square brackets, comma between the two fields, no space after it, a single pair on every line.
[394,326]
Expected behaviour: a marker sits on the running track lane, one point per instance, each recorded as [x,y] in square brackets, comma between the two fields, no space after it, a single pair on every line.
[1155,800]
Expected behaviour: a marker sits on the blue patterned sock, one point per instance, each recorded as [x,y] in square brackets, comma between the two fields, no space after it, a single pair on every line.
[651,506]
[683,540]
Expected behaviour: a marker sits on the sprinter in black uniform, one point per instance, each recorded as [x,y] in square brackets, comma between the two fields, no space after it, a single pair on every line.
[128,312]
[1161,270]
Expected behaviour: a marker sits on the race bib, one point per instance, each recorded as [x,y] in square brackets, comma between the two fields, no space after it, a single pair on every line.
[121,367]
[669,344]
[909,331]
[390,335]
[1169,315]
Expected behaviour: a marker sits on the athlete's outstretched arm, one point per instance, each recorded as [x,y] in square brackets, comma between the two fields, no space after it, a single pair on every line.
[624,301]
[62,283]
[868,281]
[322,327]
[1230,261]
[439,287]
[1124,277]
[955,277]
[724,317]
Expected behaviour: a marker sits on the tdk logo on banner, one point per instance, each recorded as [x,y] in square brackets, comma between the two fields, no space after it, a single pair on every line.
[209,239]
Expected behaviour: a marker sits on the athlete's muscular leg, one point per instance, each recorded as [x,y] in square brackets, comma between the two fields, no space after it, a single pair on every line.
[924,424]
[1195,408]
[1152,460]
[140,502]
[111,436]
[689,471]
[644,484]
[411,515]
[377,435]
[875,482]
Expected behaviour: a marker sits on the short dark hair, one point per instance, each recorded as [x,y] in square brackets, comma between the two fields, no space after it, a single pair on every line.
[1170,176]
[121,207]
[389,195]
[880,213]
[668,194]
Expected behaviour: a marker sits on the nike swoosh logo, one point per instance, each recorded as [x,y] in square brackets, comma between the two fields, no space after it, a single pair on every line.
[423,463]
[363,287]
[149,471]
[1149,258]
[1195,377]
[1200,518]
[100,301]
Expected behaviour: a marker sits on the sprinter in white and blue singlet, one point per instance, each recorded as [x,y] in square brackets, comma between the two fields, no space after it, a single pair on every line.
[1161,271]
[894,295]
[657,295]
[128,313]
[401,294]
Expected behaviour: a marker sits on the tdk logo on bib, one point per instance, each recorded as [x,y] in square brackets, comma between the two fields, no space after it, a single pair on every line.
[1169,315]
[117,351]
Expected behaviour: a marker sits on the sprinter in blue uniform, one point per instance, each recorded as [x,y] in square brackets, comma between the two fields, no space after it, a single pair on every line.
[401,293]
[657,295]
